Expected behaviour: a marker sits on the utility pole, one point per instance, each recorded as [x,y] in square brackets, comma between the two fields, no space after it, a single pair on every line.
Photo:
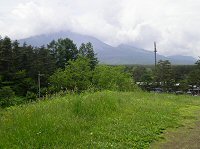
[155,50]
[39,75]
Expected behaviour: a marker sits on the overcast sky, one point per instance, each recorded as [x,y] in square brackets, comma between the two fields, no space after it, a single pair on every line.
[173,24]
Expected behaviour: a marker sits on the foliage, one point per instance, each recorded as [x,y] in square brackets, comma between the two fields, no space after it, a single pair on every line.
[63,51]
[77,69]
[194,77]
[78,76]
[138,73]
[105,119]
[198,63]
[58,80]
[30,96]
[23,83]
[6,96]
[164,74]
[86,50]
[112,77]
[75,76]
[143,76]
[181,72]
[6,57]
[20,64]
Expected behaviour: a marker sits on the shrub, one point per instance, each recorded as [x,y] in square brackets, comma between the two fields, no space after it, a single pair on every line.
[112,78]
[6,96]
[30,96]
[75,76]
[23,83]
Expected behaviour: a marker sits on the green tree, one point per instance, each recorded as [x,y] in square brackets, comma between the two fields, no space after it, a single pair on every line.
[194,76]
[144,77]
[26,60]
[141,74]
[112,77]
[6,61]
[164,74]
[23,83]
[75,76]
[63,50]
[16,55]
[87,51]
[44,63]
[6,96]
[181,72]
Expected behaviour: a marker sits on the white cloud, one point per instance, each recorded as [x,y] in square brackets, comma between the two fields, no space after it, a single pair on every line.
[173,24]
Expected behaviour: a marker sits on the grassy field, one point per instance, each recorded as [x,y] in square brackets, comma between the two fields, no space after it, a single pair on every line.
[95,120]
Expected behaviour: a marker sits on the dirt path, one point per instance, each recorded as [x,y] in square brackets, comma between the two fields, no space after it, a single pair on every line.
[187,137]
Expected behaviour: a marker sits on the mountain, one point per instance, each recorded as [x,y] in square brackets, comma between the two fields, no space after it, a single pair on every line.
[125,54]
[122,54]
[179,59]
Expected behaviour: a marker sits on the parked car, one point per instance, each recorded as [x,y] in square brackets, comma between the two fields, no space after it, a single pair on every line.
[158,90]
[179,92]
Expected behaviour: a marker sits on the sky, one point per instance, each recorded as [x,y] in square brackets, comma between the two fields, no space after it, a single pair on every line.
[173,24]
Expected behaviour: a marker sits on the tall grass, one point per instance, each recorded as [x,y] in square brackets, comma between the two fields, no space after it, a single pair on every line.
[94,120]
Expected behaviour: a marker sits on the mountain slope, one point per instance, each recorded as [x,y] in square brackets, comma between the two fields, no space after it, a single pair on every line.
[179,59]
[123,54]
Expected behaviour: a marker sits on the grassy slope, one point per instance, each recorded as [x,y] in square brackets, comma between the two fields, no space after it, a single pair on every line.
[94,120]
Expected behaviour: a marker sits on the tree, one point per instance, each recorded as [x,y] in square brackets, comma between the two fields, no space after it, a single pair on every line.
[112,78]
[63,50]
[23,83]
[26,60]
[16,56]
[141,74]
[6,96]
[6,61]
[194,76]
[181,72]
[164,74]
[87,51]
[75,76]
[45,63]
[198,62]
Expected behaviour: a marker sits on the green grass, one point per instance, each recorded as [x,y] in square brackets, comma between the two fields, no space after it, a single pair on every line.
[95,120]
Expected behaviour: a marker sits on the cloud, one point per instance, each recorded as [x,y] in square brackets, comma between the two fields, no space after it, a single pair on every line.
[172,24]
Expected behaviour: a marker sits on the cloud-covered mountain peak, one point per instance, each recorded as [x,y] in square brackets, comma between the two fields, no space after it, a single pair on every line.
[122,54]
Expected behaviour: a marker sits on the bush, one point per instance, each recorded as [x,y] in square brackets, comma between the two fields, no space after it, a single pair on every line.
[23,83]
[30,96]
[76,76]
[112,78]
[7,96]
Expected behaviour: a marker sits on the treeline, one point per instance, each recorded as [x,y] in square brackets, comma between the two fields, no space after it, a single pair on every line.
[59,66]
[167,77]
[62,66]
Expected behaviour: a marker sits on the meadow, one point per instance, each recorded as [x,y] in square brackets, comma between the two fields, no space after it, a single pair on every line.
[106,119]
